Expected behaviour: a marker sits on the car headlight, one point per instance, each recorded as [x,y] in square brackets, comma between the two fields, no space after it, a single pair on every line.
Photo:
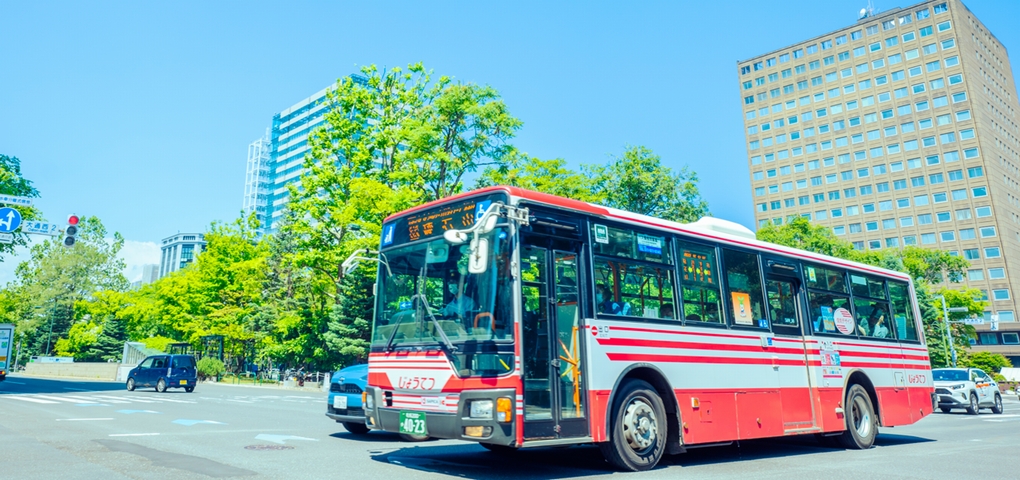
[481,409]
[957,386]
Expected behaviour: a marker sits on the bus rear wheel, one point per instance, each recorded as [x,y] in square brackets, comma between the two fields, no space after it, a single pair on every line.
[861,423]
[637,435]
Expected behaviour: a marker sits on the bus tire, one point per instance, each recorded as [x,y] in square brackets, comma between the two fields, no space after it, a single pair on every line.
[861,422]
[637,435]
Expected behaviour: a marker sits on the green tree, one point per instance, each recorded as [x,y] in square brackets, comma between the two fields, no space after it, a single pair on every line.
[990,363]
[800,233]
[13,183]
[546,176]
[55,278]
[638,182]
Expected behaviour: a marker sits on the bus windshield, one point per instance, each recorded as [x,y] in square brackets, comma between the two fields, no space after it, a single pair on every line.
[428,289]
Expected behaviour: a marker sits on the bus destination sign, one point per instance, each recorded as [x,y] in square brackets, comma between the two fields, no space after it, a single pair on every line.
[434,221]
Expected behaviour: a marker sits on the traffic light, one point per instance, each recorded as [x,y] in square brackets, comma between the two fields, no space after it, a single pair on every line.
[71,231]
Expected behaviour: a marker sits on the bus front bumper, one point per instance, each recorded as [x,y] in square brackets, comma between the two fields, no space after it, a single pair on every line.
[459,425]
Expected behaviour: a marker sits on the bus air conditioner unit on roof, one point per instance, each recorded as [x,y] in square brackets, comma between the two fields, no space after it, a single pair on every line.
[711,224]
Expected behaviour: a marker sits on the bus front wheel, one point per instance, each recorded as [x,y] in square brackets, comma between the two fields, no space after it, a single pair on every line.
[638,429]
[861,422]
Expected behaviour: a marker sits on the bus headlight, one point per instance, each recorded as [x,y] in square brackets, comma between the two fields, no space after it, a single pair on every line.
[504,410]
[481,409]
[367,400]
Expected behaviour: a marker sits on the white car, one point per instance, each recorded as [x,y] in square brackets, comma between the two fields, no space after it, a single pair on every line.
[968,388]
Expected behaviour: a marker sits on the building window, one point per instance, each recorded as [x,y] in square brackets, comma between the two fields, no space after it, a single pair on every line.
[996,273]
[1000,294]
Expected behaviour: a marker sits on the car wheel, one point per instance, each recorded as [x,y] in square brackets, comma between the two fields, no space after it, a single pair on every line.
[356,428]
[407,437]
[637,437]
[997,406]
[130,385]
[861,428]
[974,407]
[161,386]
[189,389]
[945,409]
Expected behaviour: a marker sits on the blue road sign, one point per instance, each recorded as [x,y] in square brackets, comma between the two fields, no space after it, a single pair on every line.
[10,220]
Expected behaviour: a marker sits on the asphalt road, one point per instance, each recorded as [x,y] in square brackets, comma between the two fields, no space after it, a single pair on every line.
[97,430]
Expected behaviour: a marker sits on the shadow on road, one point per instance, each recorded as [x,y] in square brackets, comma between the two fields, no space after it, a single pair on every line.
[471,461]
[34,385]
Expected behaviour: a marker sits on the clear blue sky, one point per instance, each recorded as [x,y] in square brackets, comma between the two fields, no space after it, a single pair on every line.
[141,112]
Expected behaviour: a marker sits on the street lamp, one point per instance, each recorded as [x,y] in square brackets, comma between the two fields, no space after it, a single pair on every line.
[949,335]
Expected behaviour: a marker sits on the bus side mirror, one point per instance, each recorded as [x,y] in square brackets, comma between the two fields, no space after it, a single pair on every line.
[478,255]
[455,237]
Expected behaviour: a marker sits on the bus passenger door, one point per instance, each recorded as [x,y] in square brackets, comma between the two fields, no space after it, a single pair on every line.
[554,395]
[787,313]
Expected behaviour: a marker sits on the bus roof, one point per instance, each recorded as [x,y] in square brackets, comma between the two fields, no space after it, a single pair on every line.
[645,220]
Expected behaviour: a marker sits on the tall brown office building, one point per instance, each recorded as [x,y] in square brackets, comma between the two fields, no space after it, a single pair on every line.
[898,130]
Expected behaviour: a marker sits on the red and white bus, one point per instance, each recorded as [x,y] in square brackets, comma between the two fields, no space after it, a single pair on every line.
[520,319]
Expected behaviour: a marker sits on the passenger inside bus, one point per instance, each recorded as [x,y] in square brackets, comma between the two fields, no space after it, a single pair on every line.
[605,302]
[461,305]
[666,311]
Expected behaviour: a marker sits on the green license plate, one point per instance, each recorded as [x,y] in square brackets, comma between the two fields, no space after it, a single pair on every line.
[413,423]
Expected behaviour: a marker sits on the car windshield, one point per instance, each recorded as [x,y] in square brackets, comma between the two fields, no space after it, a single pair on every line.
[946,375]
[429,289]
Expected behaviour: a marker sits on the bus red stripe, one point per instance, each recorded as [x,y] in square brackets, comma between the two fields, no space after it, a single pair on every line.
[636,342]
[646,357]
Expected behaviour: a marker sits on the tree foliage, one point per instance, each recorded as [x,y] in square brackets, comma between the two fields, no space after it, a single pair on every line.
[12,182]
[638,182]
[988,362]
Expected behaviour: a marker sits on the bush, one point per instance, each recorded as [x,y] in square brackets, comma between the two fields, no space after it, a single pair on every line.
[210,367]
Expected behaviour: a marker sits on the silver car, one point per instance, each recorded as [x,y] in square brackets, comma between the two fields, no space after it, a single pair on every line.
[968,388]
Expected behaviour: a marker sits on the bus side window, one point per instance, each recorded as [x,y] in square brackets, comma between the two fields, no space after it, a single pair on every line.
[744,289]
[699,280]
[903,311]
[823,307]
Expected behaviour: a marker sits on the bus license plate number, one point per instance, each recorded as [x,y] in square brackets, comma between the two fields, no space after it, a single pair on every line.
[413,423]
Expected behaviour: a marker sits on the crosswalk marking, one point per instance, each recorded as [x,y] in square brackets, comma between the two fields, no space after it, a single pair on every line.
[29,399]
[58,399]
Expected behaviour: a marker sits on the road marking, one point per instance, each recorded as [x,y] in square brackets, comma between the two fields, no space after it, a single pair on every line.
[14,383]
[129,399]
[30,399]
[104,398]
[281,439]
[80,419]
[188,423]
[78,389]
[173,400]
[129,412]
[133,434]
[59,399]
[91,405]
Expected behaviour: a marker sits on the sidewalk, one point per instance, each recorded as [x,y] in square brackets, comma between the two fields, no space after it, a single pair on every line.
[274,386]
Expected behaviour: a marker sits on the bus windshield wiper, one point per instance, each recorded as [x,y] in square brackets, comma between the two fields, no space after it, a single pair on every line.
[435,323]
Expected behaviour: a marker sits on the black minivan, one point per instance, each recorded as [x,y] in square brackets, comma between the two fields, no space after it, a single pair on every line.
[163,372]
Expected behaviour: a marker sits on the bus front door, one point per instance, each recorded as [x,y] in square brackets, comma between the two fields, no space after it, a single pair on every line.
[554,394]
[787,312]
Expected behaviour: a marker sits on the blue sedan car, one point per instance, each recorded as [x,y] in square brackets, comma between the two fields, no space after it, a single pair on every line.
[344,402]
[345,398]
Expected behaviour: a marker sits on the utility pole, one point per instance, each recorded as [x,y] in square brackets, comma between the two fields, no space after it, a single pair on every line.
[949,334]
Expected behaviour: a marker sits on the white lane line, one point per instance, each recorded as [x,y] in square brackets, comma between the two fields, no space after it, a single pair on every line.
[59,399]
[127,399]
[81,419]
[99,399]
[133,434]
[14,383]
[161,399]
[84,399]
[29,399]
[78,389]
